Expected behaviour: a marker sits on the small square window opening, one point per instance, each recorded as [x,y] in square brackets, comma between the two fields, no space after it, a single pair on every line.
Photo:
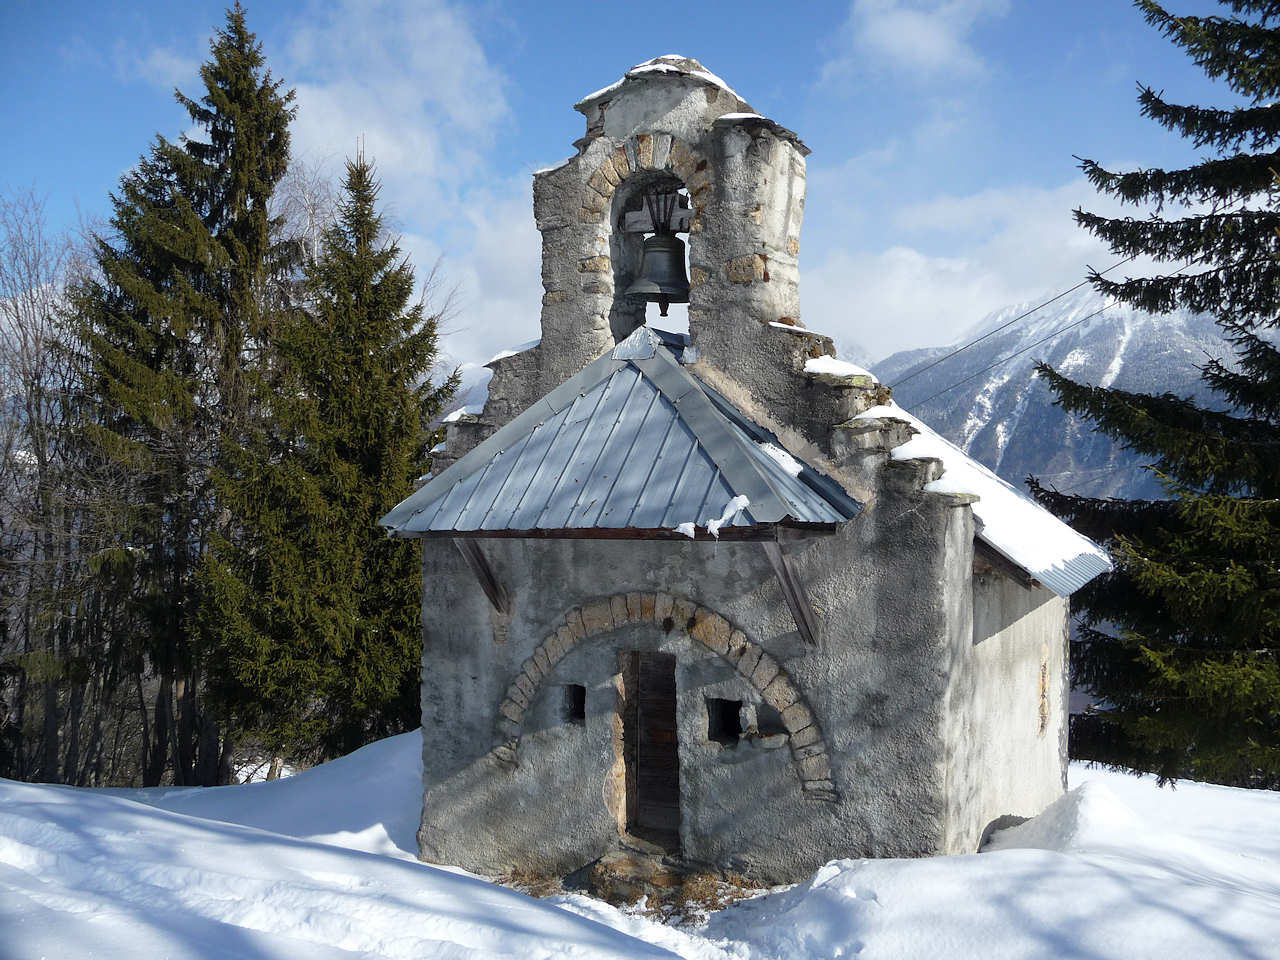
[575,703]
[724,721]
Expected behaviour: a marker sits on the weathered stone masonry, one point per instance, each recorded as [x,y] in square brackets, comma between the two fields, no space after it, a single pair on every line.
[766,675]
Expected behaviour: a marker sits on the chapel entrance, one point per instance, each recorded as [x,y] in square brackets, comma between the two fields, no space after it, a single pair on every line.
[651,747]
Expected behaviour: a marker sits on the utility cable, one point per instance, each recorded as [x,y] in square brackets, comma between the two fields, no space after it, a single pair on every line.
[1003,326]
[1060,330]
[1045,339]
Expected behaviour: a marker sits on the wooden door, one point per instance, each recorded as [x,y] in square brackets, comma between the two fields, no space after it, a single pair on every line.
[651,748]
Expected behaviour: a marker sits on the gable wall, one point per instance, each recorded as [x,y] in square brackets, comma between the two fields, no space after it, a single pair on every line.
[875,683]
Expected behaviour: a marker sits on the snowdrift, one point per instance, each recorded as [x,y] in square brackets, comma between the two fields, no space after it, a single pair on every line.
[321,865]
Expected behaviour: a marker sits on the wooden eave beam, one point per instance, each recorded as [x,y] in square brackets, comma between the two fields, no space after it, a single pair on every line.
[757,533]
[480,568]
[793,591]
[985,554]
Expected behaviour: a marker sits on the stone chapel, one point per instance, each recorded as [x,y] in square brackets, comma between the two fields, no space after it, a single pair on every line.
[714,592]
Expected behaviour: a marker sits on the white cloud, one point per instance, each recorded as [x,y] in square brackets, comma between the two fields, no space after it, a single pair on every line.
[1004,246]
[920,39]
[163,67]
[412,85]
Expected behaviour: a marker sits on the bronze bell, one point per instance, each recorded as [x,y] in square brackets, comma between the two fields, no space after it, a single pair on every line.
[662,277]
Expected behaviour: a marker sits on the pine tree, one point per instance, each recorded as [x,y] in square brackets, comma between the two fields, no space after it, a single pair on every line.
[169,326]
[318,628]
[1182,642]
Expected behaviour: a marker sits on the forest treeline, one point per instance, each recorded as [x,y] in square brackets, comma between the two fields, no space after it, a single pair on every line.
[207,402]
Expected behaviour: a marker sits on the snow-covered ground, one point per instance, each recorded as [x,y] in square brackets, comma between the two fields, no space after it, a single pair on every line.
[320,865]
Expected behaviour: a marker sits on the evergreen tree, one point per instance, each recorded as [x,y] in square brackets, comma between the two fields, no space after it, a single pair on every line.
[317,627]
[169,326]
[1182,641]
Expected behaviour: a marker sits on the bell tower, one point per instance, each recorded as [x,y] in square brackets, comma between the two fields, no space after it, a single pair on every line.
[671,139]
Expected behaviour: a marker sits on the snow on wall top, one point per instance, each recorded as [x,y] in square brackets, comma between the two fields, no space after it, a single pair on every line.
[668,63]
[1011,522]
[830,366]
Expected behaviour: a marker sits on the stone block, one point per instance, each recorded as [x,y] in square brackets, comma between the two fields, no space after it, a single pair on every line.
[644,151]
[590,214]
[621,165]
[601,184]
[815,768]
[555,296]
[796,717]
[597,617]
[822,789]
[508,729]
[519,696]
[749,269]
[542,660]
[662,150]
[504,754]
[647,605]
[511,710]
[812,750]
[525,684]
[737,643]
[597,264]
[780,693]
[610,174]
[721,631]
[697,277]
[764,672]
[634,611]
[749,660]
[577,626]
[682,611]
[802,738]
[565,641]
[593,201]
[632,158]
[618,609]
[679,155]
[533,671]
[663,604]
[701,629]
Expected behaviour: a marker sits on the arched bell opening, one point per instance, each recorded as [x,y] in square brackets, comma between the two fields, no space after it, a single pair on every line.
[631,224]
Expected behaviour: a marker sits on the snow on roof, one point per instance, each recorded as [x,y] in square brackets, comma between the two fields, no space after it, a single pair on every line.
[667,63]
[1011,522]
[837,368]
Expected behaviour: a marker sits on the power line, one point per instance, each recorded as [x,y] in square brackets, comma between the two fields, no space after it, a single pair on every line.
[1016,353]
[1060,330]
[1021,316]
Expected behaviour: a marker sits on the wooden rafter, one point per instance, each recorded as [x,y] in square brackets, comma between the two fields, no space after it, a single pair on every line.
[475,559]
[793,591]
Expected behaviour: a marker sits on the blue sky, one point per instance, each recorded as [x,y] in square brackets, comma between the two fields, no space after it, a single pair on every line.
[939,189]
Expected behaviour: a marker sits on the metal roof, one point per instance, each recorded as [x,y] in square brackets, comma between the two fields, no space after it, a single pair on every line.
[634,442]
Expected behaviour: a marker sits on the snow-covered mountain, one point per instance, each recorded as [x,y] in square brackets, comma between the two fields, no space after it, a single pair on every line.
[1004,416]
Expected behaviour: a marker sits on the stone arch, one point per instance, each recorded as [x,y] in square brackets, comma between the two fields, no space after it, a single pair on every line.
[810,759]
[643,156]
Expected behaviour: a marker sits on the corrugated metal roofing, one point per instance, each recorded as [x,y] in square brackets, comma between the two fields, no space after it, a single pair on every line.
[632,442]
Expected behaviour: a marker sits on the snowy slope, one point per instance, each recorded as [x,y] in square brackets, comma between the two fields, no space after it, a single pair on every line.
[1117,868]
[1004,417]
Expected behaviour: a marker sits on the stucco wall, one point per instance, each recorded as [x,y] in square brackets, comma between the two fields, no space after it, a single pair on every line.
[1009,709]
[876,682]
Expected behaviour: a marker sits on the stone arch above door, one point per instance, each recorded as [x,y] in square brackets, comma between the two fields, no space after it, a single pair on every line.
[804,733]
